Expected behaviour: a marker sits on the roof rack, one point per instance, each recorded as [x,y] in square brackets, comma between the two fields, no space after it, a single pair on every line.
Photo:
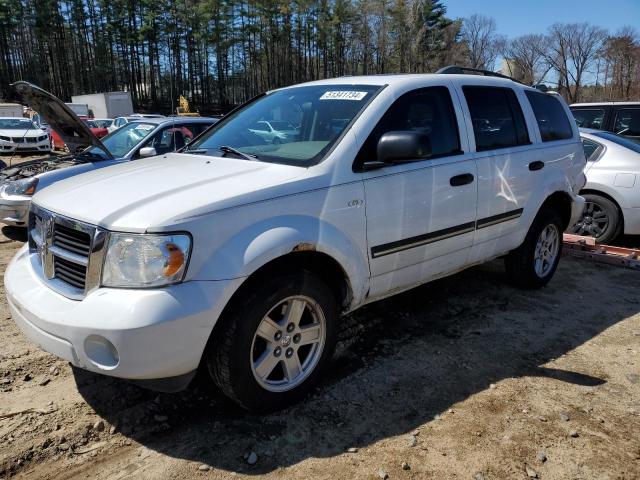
[455,69]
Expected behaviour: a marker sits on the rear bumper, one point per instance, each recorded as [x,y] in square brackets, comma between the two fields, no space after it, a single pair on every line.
[631,218]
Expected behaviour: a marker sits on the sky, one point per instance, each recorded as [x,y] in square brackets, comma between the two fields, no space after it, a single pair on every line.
[518,17]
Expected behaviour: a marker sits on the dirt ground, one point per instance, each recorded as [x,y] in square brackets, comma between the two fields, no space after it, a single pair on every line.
[464,378]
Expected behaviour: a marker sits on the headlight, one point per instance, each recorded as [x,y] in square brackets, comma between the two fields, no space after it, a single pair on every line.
[26,186]
[145,260]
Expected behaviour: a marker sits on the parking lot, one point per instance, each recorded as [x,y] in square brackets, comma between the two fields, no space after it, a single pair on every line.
[463,376]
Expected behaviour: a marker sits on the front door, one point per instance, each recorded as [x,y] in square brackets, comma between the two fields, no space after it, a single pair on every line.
[420,215]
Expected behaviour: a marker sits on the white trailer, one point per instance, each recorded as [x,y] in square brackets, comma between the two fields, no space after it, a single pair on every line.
[10,110]
[107,105]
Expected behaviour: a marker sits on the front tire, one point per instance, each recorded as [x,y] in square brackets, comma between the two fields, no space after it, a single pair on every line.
[533,264]
[273,345]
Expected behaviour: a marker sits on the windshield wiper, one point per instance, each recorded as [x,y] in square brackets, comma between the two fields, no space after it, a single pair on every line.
[238,153]
[196,151]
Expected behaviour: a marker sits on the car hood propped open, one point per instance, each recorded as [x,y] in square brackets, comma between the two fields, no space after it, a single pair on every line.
[68,125]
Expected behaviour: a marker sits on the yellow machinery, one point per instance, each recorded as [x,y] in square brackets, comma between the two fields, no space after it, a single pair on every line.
[183,110]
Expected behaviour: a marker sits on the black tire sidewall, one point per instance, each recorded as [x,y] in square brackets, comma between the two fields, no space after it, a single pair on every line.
[521,262]
[242,323]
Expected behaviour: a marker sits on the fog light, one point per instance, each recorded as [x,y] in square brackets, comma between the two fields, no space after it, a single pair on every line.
[101,352]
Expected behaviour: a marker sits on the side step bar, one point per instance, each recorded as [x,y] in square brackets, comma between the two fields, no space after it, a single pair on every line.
[586,247]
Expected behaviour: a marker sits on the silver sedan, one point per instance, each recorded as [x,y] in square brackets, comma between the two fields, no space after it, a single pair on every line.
[612,191]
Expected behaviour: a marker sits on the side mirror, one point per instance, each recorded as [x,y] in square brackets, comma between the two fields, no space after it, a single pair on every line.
[147,152]
[403,146]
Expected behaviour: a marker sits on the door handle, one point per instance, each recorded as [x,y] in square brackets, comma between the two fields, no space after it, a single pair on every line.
[459,180]
[537,165]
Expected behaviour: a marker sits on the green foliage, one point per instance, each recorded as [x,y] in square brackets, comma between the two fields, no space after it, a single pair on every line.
[214,52]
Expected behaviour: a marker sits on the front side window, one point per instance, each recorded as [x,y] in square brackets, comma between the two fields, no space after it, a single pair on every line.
[628,122]
[170,139]
[311,118]
[497,118]
[427,110]
[589,117]
[551,117]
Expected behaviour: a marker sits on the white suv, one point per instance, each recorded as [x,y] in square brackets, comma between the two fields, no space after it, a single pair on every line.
[239,255]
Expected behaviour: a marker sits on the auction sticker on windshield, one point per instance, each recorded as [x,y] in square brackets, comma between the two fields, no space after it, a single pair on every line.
[343,95]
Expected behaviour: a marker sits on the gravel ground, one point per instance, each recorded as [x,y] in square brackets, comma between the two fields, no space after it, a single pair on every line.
[463,378]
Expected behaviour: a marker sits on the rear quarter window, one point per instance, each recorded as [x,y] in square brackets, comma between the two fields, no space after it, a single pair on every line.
[550,115]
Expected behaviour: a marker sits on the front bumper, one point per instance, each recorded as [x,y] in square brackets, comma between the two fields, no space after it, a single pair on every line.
[14,211]
[144,335]
[12,147]
[577,206]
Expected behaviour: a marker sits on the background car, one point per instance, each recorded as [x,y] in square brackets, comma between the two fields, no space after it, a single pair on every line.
[622,118]
[141,138]
[18,135]
[122,121]
[612,191]
[274,131]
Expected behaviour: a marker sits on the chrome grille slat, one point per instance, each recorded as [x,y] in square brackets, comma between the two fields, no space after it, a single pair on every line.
[70,245]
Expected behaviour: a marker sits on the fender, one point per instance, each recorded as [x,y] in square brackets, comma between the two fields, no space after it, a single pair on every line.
[558,182]
[610,191]
[259,243]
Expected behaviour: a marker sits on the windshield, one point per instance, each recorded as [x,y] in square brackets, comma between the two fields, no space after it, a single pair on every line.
[620,140]
[122,141]
[16,124]
[306,122]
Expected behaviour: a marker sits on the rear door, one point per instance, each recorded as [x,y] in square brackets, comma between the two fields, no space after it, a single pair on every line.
[420,215]
[504,156]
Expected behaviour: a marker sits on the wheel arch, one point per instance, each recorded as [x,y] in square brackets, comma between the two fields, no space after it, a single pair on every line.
[560,201]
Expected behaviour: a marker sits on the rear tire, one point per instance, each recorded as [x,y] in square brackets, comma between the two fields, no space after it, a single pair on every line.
[600,219]
[533,263]
[273,344]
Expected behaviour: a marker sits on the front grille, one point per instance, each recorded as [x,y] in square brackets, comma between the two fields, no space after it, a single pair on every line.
[73,240]
[70,253]
[70,272]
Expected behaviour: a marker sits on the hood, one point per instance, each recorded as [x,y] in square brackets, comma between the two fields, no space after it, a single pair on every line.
[59,116]
[166,191]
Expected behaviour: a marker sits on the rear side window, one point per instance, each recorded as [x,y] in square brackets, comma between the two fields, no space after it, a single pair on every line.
[551,117]
[628,122]
[427,110]
[589,117]
[497,118]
